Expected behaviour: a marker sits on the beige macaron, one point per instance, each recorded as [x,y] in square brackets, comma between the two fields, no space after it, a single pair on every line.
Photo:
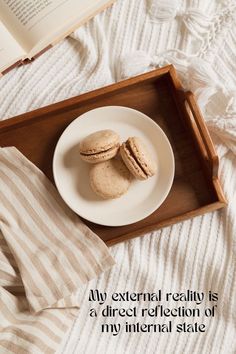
[99,146]
[110,179]
[137,158]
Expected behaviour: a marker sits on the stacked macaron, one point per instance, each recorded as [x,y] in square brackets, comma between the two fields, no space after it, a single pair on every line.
[100,146]
[138,160]
[114,165]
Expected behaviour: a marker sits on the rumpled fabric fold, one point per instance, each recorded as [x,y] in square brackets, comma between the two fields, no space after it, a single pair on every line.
[46,255]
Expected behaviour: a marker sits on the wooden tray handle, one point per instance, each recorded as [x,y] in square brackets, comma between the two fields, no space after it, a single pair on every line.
[202,134]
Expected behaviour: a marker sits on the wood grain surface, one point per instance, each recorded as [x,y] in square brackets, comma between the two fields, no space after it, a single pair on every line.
[158,94]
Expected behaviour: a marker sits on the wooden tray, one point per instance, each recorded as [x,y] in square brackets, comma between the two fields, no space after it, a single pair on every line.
[196,188]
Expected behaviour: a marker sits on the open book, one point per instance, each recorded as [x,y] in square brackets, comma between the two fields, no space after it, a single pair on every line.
[29,27]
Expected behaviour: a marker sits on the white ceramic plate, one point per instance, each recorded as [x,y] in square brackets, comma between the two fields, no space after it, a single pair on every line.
[71,173]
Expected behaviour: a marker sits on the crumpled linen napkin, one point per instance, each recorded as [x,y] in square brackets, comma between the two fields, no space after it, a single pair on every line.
[46,254]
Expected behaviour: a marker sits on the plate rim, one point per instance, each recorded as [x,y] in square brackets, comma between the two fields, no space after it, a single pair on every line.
[144,116]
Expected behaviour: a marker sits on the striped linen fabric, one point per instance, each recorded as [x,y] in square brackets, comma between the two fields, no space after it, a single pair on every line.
[46,255]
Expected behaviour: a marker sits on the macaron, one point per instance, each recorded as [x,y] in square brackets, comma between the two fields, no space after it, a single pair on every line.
[99,146]
[137,158]
[110,179]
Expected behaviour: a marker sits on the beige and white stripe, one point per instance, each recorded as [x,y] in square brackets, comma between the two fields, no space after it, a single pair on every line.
[46,255]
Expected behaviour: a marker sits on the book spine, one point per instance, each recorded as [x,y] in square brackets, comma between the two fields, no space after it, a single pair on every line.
[25,61]
[18,63]
[29,60]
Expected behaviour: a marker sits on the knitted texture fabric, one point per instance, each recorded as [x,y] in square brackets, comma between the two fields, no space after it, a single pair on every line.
[198,37]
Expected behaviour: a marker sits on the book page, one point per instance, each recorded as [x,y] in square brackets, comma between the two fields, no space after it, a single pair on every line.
[32,22]
[10,50]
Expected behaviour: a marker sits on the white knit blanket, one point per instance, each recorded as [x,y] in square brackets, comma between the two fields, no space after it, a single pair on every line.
[199,37]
